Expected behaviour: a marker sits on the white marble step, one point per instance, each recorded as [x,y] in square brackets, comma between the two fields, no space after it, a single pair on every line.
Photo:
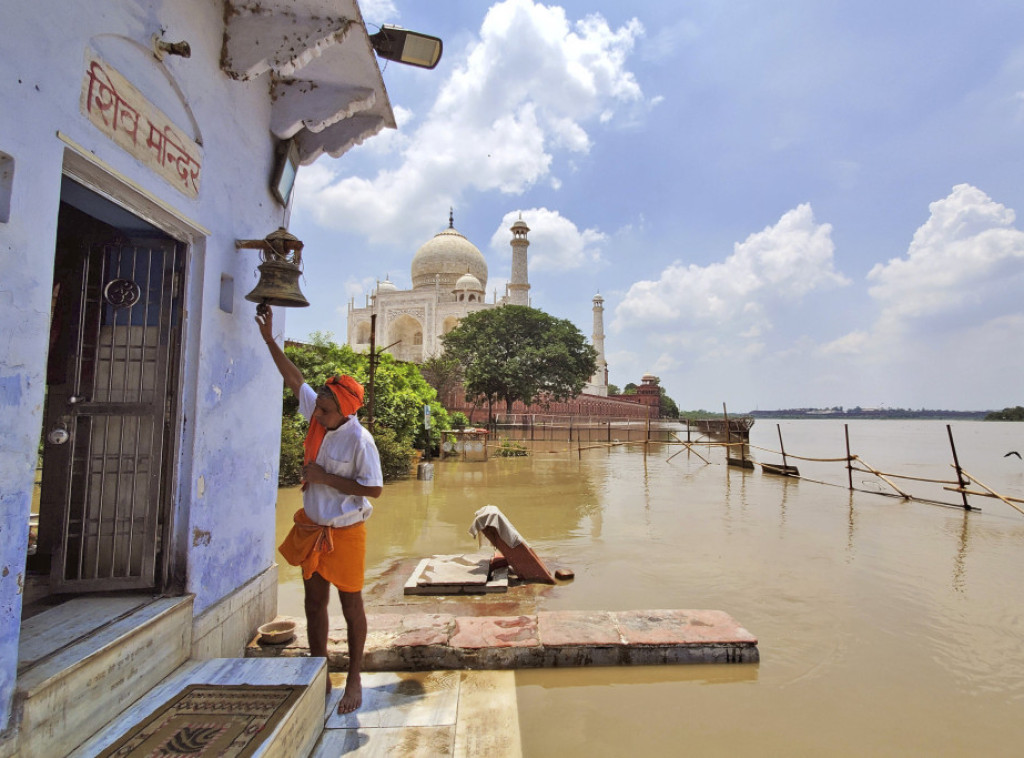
[46,633]
[462,714]
[293,736]
[92,664]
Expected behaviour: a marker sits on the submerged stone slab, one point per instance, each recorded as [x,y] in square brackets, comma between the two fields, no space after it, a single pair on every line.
[425,641]
[574,628]
[495,632]
[456,575]
[681,627]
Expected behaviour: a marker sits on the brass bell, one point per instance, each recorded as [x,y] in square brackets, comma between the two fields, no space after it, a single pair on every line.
[279,273]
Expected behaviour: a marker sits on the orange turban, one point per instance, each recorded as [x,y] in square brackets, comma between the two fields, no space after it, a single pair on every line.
[348,393]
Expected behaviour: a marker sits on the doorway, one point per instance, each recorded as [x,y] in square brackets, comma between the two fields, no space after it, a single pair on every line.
[107,443]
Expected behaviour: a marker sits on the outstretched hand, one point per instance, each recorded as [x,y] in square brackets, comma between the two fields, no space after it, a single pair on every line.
[265,320]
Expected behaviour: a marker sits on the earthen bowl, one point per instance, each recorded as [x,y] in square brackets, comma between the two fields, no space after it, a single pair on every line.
[277,632]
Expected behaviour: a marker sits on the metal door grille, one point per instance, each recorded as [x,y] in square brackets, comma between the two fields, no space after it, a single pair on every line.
[128,336]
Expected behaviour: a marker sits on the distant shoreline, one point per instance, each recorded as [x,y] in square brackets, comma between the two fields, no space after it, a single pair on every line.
[872,413]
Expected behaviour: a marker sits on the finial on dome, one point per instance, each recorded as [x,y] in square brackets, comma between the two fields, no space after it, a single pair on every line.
[451,218]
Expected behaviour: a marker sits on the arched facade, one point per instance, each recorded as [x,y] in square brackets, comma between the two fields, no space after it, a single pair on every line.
[362,333]
[449,276]
[405,336]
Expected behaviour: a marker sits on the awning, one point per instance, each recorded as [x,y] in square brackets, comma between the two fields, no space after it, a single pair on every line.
[327,92]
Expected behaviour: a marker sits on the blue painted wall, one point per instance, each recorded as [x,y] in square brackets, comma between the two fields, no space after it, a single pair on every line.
[229,414]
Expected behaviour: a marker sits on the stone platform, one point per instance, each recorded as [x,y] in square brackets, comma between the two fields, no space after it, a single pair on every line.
[437,641]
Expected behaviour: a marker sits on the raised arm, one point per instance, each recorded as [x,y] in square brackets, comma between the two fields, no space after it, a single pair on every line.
[289,371]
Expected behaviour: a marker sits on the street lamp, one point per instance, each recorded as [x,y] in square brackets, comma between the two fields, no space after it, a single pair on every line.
[397,44]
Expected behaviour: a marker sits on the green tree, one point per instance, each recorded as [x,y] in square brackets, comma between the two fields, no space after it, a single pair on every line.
[443,373]
[667,407]
[1007,414]
[629,389]
[400,392]
[519,353]
[613,389]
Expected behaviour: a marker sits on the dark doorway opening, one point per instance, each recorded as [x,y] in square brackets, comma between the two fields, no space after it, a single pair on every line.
[107,447]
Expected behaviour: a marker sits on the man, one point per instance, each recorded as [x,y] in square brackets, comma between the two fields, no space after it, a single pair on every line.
[341,471]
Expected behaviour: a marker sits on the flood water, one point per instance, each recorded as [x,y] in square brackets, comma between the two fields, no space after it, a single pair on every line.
[886,627]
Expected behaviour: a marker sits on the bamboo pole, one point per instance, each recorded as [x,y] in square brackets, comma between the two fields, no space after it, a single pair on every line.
[371,400]
[959,471]
[979,493]
[609,445]
[849,458]
[881,476]
[912,478]
[689,448]
[993,492]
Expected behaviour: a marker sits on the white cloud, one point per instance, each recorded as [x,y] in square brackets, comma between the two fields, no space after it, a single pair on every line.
[853,343]
[357,288]
[666,42]
[386,142]
[378,12]
[525,90]
[949,310]
[767,271]
[966,262]
[556,243]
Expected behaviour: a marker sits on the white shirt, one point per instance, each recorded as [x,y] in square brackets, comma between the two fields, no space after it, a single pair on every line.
[347,451]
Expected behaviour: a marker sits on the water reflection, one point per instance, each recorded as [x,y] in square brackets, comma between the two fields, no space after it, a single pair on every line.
[874,614]
[960,561]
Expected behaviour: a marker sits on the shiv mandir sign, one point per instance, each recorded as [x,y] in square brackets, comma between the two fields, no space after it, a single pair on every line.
[124,114]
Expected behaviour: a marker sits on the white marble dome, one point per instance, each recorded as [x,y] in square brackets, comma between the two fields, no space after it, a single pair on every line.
[470,283]
[386,286]
[445,258]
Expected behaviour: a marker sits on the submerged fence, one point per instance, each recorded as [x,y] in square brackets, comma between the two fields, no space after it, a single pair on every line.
[582,433]
[535,427]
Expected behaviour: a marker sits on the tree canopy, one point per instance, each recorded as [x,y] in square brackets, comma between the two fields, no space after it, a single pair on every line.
[667,407]
[519,353]
[1007,414]
[443,373]
[400,392]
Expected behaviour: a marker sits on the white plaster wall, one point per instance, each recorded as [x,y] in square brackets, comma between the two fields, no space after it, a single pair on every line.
[230,402]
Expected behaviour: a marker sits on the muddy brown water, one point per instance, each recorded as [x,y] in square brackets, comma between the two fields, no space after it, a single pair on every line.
[886,627]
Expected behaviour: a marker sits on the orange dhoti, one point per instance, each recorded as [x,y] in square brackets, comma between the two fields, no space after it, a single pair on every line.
[338,554]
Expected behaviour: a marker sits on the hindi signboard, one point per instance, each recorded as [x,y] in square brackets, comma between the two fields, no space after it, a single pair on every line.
[125,115]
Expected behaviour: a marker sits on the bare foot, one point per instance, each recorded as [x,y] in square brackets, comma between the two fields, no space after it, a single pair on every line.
[353,697]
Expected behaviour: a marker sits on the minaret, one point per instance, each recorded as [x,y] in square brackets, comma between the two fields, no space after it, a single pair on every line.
[599,381]
[519,283]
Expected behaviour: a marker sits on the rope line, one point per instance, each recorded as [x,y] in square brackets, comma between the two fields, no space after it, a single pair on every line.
[850,461]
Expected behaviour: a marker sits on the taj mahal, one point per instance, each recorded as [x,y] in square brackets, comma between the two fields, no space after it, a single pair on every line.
[449,281]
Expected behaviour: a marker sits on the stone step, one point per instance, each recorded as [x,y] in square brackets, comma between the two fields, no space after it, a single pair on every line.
[424,642]
[85,660]
[294,736]
[438,713]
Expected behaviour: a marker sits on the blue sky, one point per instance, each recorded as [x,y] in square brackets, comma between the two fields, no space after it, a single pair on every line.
[782,202]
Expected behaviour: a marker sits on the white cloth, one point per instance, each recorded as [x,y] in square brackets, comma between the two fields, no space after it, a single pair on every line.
[347,451]
[490,515]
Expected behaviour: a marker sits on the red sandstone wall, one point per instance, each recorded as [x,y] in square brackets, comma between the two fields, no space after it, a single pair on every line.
[581,405]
